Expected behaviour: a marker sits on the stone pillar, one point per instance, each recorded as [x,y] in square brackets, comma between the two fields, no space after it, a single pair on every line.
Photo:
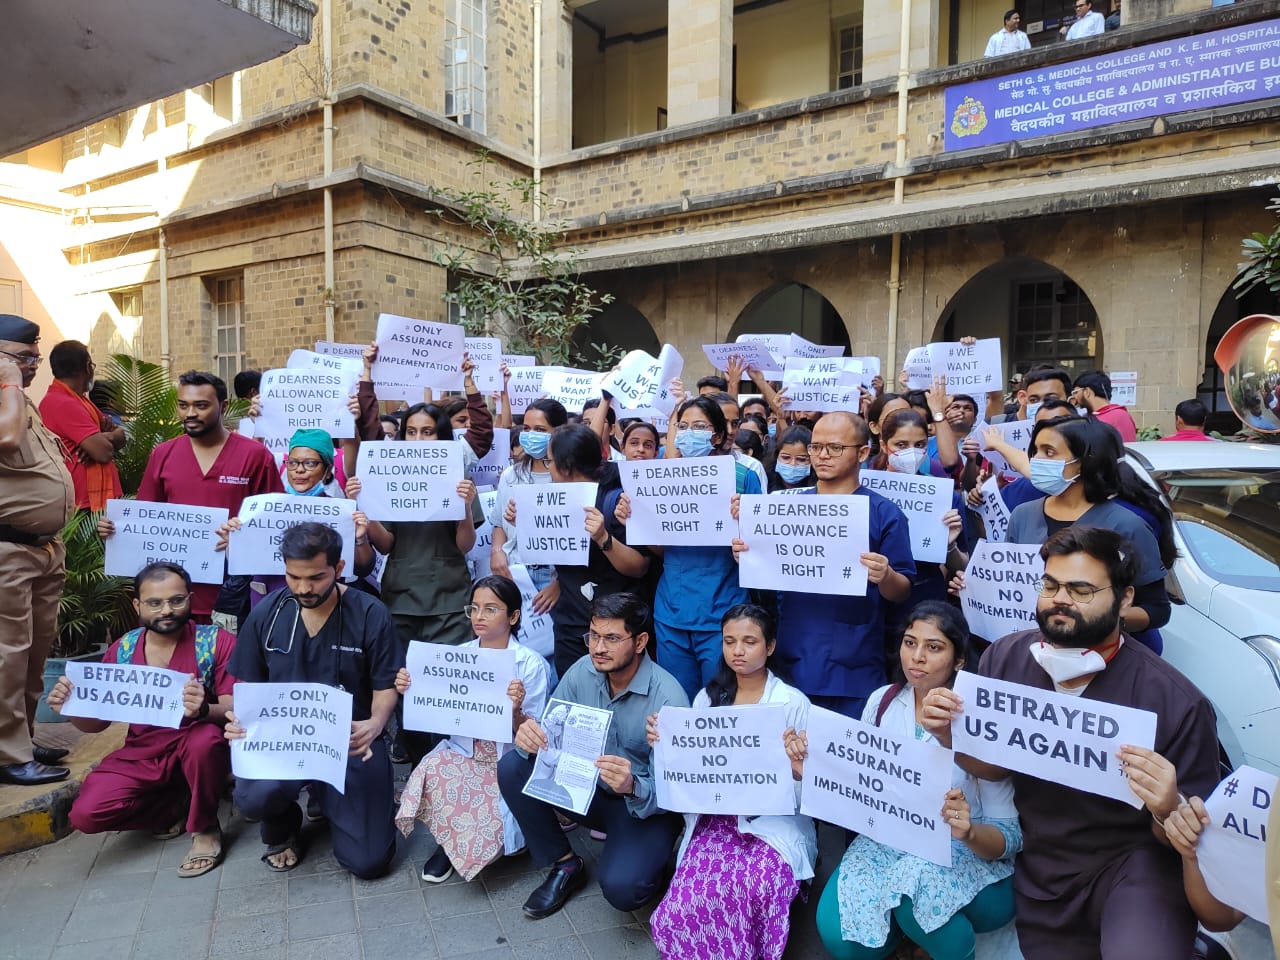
[557,78]
[882,37]
[1151,11]
[699,60]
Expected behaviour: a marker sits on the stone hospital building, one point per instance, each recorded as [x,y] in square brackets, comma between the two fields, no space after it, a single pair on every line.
[845,169]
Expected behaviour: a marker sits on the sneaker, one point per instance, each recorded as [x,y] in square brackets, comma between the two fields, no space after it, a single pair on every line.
[438,869]
[554,892]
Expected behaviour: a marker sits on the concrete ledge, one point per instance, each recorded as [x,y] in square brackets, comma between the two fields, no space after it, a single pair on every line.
[33,816]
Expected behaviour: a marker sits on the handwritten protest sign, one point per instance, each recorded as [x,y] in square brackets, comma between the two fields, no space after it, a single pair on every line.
[349,350]
[124,693]
[488,469]
[1232,849]
[1017,434]
[525,386]
[293,731]
[420,353]
[972,369]
[999,595]
[146,532]
[995,513]
[459,690]
[565,772]
[642,381]
[537,632]
[680,502]
[478,555]
[724,760]
[809,544]
[294,399]
[1053,736]
[348,367]
[410,481]
[868,779]
[754,355]
[573,388]
[550,522]
[1124,387]
[924,500]
[254,549]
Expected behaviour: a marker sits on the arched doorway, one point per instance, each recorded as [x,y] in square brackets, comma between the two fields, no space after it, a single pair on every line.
[1212,392]
[619,326]
[793,308]
[1040,314]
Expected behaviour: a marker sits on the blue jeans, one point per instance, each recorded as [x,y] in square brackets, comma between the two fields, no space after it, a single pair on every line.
[691,656]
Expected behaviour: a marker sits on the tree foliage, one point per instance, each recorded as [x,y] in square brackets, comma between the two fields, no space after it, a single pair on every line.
[1262,259]
[521,284]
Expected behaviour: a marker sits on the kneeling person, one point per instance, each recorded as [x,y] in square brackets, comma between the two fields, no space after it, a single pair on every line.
[164,780]
[315,630]
[620,678]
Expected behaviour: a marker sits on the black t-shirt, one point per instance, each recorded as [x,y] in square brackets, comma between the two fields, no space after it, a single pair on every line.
[356,650]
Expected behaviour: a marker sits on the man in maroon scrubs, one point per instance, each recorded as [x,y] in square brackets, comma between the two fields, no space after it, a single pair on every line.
[208,466]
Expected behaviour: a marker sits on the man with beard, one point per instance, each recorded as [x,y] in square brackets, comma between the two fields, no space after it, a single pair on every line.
[314,630]
[208,466]
[1097,878]
[38,500]
[619,677]
[164,780]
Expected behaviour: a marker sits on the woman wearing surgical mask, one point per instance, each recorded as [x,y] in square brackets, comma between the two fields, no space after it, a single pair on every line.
[1075,463]
[698,584]
[792,468]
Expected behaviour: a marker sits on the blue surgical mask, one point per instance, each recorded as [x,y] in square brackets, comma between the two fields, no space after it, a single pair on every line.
[908,461]
[793,473]
[316,491]
[1033,409]
[773,429]
[534,443]
[1046,475]
[694,443]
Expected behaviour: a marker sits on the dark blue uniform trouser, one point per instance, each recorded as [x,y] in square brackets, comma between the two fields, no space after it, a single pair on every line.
[364,834]
[635,856]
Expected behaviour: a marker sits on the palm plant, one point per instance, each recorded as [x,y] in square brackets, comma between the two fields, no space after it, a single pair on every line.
[94,607]
[143,395]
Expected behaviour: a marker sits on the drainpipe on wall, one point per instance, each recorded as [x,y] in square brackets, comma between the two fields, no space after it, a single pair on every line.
[326,23]
[164,302]
[537,109]
[899,161]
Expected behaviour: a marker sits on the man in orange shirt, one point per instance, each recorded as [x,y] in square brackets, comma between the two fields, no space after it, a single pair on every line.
[89,439]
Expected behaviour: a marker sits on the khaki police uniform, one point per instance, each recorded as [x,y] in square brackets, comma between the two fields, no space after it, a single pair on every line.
[36,501]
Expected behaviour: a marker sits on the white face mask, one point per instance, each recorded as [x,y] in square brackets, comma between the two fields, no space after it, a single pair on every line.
[1064,664]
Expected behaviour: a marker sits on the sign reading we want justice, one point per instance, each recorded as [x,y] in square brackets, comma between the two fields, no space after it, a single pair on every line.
[1215,69]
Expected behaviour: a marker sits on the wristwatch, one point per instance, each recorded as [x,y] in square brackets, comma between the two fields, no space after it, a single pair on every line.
[607,545]
[937,417]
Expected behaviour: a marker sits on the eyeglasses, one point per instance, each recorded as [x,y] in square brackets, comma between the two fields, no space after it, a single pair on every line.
[831,449]
[173,603]
[700,425]
[609,639]
[26,359]
[1076,590]
[303,464]
[489,611]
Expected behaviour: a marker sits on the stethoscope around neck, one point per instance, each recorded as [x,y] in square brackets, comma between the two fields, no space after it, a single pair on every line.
[281,602]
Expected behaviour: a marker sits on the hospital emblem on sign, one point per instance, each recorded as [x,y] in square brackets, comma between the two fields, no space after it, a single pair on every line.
[970,118]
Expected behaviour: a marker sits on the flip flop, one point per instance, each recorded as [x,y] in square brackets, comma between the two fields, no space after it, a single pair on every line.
[278,848]
[177,830]
[187,870]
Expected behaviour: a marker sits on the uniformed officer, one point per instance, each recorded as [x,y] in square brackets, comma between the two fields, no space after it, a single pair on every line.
[36,500]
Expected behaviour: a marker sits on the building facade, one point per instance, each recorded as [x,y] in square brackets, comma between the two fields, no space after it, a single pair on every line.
[769,165]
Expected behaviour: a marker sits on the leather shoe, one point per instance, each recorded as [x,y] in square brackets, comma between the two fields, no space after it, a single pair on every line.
[554,892]
[32,774]
[48,755]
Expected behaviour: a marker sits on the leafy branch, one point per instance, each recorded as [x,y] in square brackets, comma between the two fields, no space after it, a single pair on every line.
[1262,259]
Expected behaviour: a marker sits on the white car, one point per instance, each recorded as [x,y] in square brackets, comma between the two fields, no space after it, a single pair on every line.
[1224,632]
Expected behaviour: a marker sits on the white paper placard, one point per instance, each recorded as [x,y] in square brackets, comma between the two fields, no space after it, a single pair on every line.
[823,385]
[421,353]
[924,500]
[488,469]
[551,522]
[1233,847]
[999,595]
[724,760]
[1054,736]
[524,387]
[974,369]
[181,534]
[685,501]
[293,731]
[995,513]
[807,349]
[867,779]
[519,360]
[537,631]
[565,772]
[1017,434]
[294,399]
[755,356]
[415,480]
[478,557]
[457,690]
[808,544]
[254,549]
[314,360]
[573,388]
[486,354]
[332,349]
[1124,388]
[125,693]
[919,368]
[870,367]
[642,381]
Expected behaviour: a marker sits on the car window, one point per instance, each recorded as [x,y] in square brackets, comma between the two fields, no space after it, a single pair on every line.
[1230,521]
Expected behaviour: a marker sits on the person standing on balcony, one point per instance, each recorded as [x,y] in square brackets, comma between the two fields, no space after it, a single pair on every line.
[1089,22]
[1113,18]
[90,440]
[1009,39]
[38,499]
